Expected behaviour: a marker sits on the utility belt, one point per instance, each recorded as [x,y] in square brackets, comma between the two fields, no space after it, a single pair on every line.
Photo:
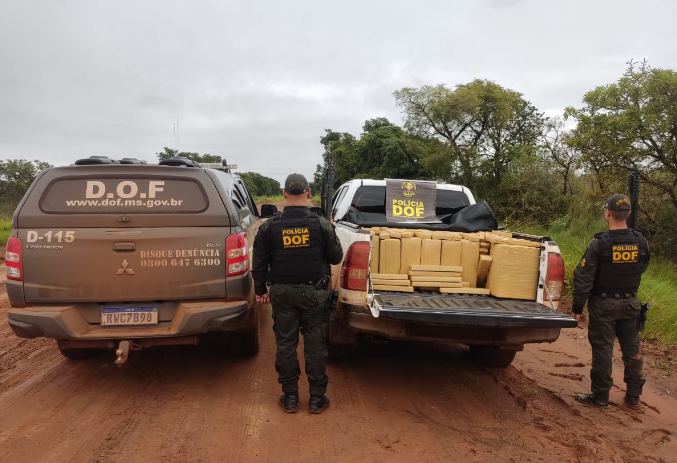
[615,295]
[317,284]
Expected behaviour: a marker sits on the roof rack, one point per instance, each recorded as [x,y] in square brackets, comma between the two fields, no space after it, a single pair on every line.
[179,161]
[131,161]
[222,166]
[93,160]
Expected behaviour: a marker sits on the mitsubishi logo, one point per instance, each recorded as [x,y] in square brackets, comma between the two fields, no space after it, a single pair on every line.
[124,269]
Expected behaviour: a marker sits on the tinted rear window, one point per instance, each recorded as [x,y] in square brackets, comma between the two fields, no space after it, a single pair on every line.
[87,195]
[373,199]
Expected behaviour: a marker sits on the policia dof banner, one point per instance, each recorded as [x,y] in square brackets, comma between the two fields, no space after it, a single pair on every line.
[411,201]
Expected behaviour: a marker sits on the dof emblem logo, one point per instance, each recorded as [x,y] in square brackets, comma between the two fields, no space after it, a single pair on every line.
[623,201]
[408,189]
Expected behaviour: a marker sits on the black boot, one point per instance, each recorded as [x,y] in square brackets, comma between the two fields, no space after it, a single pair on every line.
[290,402]
[633,402]
[593,399]
[317,403]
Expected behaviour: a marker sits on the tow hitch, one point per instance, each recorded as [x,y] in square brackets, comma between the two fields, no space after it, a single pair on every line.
[122,352]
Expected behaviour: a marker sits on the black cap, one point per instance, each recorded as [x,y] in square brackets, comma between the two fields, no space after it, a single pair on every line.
[617,203]
[296,184]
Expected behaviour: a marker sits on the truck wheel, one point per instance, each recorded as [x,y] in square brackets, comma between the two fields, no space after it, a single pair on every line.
[76,354]
[339,351]
[246,343]
[341,341]
[492,356]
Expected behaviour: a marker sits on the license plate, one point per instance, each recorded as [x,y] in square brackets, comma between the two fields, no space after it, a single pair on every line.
[117,316]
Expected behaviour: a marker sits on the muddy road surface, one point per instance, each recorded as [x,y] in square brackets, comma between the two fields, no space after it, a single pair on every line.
[393,403]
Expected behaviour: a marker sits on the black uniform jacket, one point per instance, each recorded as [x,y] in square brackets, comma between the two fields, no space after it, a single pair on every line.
[586,270]
[262,255]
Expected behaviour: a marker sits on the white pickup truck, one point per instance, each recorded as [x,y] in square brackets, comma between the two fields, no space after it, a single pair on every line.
[493,328]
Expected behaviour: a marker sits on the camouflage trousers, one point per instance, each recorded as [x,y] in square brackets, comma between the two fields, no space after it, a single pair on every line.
[300,307]
[610,319]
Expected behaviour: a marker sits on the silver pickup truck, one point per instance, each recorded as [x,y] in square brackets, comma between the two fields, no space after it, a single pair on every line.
[124,255]
[494,328]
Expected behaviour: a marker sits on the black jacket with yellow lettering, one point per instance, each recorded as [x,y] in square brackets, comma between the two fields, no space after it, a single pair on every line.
[298,245]
[613,263]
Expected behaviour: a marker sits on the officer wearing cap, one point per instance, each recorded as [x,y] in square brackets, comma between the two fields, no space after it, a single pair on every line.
[607,277]
[298,246]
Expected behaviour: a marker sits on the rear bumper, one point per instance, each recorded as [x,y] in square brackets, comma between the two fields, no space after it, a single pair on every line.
[68,323]
[458,318]
[507,337]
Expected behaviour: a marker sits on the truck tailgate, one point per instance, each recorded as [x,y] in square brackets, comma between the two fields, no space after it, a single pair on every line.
[471,310]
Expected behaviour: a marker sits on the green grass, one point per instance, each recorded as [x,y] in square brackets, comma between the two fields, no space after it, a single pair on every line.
[659,282]
[269,199]
[280,199]
[5,230]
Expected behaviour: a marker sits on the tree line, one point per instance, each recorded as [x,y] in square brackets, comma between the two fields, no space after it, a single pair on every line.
[257,184]
[16,175]
[527,166]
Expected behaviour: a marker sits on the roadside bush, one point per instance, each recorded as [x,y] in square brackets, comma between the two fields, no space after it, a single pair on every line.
[528,194]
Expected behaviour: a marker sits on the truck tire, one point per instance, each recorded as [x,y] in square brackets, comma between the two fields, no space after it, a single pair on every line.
[492,356]
[76,354]
[341,342]
[245,344]
[339,351]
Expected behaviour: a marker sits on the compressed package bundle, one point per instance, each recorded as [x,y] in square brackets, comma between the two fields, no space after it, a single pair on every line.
[390,256]
[464,290]
[430,252]
[470,256]
[375,254]
[451,253]
[410,253]
[483,270]
[514,271]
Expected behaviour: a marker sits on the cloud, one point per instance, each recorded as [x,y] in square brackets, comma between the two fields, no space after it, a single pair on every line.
[259,82]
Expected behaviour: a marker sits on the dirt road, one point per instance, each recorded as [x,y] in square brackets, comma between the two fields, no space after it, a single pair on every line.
[393,403]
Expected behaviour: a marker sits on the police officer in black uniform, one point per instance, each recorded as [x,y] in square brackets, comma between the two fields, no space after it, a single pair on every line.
[292,252]
[607,277]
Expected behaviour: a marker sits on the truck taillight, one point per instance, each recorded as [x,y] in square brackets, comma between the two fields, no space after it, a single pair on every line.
[237,255]
[355,267]
[554,280]
[13,259]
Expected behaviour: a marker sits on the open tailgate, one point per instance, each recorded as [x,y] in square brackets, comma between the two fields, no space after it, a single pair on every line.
[470,310]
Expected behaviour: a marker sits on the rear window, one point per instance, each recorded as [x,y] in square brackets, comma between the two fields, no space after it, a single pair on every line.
[87,195]
[373,199]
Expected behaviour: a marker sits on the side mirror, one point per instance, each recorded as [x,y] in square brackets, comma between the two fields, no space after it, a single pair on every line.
[268,210]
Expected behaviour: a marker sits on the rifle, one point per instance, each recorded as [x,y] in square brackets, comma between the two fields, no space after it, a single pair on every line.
[641,318]
[633,192]
[328,187]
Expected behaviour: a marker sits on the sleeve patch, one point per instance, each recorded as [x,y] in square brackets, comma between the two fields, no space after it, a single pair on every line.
[583,262]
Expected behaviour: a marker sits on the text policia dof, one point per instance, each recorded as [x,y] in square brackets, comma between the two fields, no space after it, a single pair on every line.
[408,208]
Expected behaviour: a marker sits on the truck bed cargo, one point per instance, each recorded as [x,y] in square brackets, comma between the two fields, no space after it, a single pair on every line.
[510,287]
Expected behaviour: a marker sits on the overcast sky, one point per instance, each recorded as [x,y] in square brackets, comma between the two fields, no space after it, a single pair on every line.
[258,82]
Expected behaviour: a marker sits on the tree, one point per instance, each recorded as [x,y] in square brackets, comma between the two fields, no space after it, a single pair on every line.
[631,125]
[16,175]
[555,148]
[168,153]
[484,126]
[260,185]
[384,150]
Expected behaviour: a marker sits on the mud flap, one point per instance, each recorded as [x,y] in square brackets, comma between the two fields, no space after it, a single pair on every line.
[372,301]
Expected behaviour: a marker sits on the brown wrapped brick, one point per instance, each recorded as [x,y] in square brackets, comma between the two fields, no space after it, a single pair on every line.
[514,271]
[470,256]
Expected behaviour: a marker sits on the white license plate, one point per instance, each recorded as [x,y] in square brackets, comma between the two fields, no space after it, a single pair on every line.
[123,316]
